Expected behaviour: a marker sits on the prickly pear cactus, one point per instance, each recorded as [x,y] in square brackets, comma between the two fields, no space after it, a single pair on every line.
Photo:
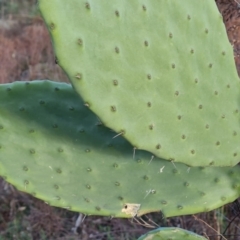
[171,233]
[55,148]
[160,73]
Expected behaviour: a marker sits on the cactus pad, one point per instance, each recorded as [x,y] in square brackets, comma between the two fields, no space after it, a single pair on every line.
[53,147]
[171,233]
[161,73]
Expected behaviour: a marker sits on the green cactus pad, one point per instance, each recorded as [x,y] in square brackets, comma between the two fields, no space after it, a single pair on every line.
[161,73]
[55,148]
[171,233]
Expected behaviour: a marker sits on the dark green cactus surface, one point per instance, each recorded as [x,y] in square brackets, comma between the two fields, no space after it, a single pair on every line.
[161,73]
[55,148]
[171,233]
